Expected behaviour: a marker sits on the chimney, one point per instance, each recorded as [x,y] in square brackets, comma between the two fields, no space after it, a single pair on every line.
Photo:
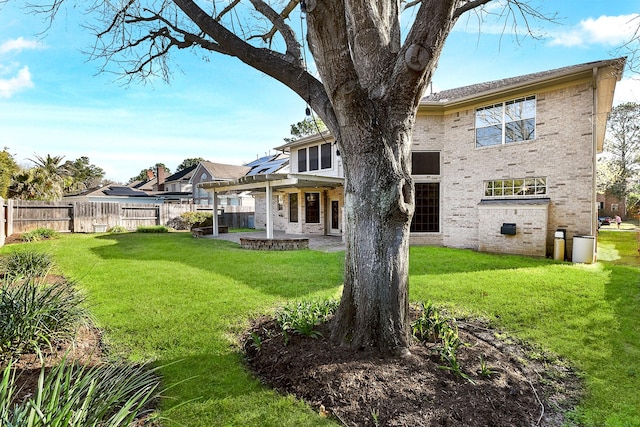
[149,175]
[160,178]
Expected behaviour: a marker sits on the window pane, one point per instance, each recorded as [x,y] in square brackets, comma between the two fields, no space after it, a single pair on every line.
[488,136]
[488,116]
[425,163]
[488,190]
[293,207]
[426,217]
[312,208]
[313,158]
[302,160]
[521,130]
[325,156]
[524,108]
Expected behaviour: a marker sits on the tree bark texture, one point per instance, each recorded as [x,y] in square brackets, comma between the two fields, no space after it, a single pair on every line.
[375,84]
[374,308]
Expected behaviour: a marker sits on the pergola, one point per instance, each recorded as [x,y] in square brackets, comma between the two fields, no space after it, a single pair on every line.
[267,183]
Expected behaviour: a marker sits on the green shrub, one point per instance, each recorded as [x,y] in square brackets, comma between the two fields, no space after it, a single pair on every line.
[118,229]
[177,223]
[153,229]
[434,327]
[27,263]
[197,219]
[77,396]
[34,313]
[302,317]
[39,234]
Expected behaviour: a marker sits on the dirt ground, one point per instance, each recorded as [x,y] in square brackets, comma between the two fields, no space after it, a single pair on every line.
[365,389]
[86,349]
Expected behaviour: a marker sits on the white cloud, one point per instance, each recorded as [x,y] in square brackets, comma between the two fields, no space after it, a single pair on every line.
[627,90]
[18,45]
[605,30]
[15,84]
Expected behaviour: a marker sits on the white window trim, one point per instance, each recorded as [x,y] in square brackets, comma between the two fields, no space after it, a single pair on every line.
[503,123]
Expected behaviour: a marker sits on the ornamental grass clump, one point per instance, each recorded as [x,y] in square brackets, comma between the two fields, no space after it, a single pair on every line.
[39,234]
[302,317]
[118,229]
[69,395]
[28,263]
[34,313]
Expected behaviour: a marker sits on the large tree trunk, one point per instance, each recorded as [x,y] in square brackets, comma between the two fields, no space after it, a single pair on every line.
[373,312]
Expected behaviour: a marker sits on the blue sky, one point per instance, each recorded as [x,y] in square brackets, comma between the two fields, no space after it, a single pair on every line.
[54,101]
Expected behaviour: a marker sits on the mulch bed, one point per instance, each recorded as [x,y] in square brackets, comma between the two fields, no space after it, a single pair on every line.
[366,389]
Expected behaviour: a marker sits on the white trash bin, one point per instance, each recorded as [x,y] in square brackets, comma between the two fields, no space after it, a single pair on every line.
[583,249]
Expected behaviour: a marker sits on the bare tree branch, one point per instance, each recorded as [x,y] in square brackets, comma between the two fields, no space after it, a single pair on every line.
[286,12]
[227,9]
[289,36]
[467,6]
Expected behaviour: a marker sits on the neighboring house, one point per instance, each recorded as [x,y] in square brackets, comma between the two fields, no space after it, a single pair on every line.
[218,172]
[114,193]
[175,188]
[610,205]
[498,166]
[180,182]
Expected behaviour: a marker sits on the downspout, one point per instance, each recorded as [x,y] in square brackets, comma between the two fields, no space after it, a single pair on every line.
[594,191]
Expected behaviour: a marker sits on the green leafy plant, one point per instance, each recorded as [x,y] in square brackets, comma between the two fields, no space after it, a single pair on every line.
[111,395]
[33,313]
[153,229]
[26,263]
[375,416]
[302,317]
[454,366]
[118,229]
[430,325]
[39,234]
[485,370]
[256,341]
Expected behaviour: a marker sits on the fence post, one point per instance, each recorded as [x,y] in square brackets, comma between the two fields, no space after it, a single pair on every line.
[3,217]
[9,217]
[72,216]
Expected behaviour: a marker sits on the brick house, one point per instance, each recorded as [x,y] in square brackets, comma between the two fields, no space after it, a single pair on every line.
[498,166]
[610,205]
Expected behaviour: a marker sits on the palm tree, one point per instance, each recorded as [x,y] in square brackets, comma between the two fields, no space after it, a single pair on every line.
[45,181]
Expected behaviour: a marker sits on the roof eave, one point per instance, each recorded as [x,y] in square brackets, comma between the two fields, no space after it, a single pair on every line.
[585,72]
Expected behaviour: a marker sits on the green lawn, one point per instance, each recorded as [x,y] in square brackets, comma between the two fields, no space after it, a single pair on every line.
[182,301]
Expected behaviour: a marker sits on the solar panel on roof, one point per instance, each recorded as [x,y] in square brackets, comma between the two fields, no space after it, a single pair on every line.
[271,166]
[259,161]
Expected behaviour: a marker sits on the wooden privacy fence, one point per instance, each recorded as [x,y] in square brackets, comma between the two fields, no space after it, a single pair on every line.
[20,216]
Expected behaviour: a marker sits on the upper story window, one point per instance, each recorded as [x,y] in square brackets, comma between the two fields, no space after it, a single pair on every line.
[506,122]
[425,163]
[325,156]
[523,187]
[302,160]
[314,157]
